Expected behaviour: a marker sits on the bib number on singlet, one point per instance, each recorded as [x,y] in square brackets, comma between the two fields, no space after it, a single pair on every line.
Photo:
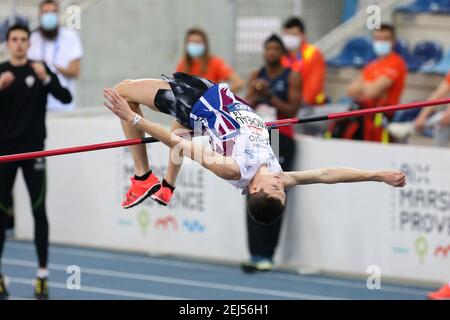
[248,119]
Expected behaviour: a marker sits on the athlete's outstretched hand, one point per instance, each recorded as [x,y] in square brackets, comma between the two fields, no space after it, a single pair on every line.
[394,178]
[118,105]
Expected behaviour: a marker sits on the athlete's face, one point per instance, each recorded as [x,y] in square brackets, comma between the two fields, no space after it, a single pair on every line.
[18,44]
[273,53]
[272,184]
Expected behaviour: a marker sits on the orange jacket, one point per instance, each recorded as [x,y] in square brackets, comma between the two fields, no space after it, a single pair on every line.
[216,69]
[392,66]
[311,66]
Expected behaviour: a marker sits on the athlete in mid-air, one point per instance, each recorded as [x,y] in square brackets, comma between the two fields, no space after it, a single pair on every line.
[240,149]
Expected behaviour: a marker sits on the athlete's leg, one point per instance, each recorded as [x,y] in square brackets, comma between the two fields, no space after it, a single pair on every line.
[8,173]
[34,172]
[138,92]
[163,195]
[176,157]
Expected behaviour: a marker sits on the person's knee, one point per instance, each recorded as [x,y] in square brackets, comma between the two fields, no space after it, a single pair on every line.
[121,87]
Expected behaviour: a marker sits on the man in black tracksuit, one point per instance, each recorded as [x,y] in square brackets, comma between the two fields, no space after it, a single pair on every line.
[24,86]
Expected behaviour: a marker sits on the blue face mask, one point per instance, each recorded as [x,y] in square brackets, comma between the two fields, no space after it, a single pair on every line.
[49,21]
[382,48]
[195,49]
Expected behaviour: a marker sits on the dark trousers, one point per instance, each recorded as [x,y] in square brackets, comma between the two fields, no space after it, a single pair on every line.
[263,239]
[34,172]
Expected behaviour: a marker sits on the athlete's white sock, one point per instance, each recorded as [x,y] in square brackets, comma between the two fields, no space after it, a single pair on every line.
[42,273]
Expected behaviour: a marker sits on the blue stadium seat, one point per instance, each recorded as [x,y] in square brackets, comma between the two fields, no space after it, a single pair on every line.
[441,6]
[402,48]
[428,53]
[442,67]
[426,6]
[417,6]
[357,52]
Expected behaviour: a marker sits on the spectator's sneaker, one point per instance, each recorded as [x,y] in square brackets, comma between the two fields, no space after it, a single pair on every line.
[140,190]
[441,294]
[163,195]
[401,130]
[256,266]
[41,289]
[3,292]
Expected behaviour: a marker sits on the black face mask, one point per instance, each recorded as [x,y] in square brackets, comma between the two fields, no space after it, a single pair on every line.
[49,34]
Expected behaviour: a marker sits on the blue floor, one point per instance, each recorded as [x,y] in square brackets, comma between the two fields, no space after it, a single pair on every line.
[113,275]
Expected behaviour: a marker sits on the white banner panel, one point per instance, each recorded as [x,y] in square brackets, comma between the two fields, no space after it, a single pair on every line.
[337,228]
[349,227]
[204,219]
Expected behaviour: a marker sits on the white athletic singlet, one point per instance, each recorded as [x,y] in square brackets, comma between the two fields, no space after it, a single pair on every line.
[235,130]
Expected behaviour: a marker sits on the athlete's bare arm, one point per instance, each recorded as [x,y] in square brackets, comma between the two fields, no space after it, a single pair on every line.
[342,175]
[224,167]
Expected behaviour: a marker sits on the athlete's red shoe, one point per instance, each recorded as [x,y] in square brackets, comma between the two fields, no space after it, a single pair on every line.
[140,190]
[441,294]
[163,195]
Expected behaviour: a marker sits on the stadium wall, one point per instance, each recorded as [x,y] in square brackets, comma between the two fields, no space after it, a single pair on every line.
[333,228]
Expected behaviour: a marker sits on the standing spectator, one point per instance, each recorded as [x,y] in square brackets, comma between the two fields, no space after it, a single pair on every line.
[24,86]
[380,83]
[306,59]
[278,88]
[198,61]
[60,48]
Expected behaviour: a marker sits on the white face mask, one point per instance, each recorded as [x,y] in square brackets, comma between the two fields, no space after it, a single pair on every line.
[291,42]
[382,48]
[195,49]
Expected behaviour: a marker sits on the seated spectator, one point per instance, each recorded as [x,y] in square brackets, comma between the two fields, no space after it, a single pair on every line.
[380,83]
[199,61]
[435,118]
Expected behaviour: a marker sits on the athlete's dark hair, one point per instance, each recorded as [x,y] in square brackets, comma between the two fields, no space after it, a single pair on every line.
[43,3]
[387,27]
[276,39]
[204,58]
[264,209]
[294,22]
[15,27]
